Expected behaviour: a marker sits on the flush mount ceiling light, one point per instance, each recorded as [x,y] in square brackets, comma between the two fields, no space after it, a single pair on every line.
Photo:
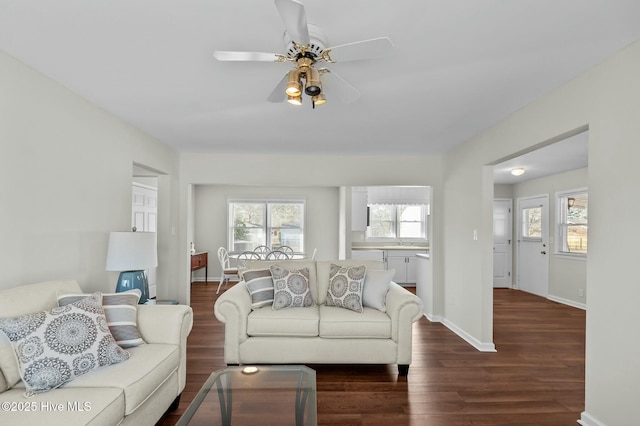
[518,171]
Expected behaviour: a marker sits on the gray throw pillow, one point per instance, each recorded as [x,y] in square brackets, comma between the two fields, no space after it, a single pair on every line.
[291,288]
[260,286]
[345,287]
[121,311]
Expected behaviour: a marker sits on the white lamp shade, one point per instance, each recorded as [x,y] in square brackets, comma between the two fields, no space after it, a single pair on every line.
[132,251]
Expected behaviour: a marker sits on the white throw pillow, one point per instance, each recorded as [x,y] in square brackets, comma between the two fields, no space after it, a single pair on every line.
[56,346]
[376,287]
[345,287]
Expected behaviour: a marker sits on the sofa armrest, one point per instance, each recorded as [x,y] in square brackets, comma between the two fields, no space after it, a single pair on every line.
[404,308]
[232,308]
[167,324]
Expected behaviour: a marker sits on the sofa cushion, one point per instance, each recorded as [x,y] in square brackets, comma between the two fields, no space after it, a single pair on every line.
[376,287]
[59,345]
[343,323]
[81,406]
[345,287]
[121,311]
[292,322]
[23,300]
[10,374]
[145,371]
[259,284]
[290,288]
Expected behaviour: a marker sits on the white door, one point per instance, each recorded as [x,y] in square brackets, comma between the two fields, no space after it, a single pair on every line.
[533,245]
[144,214]
[502,247]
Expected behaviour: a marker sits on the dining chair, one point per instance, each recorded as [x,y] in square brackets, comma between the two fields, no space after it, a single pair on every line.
[262,251]
[286,249]
[227,270]
[276,254]
[244,258]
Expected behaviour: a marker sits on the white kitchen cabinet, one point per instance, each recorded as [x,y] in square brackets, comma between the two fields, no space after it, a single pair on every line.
[404,262]
[424,285]
[359,214]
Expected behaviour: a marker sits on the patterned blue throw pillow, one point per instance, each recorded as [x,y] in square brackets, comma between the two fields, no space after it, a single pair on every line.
[56,346]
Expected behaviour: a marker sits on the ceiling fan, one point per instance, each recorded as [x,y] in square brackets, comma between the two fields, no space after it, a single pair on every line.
[306,47]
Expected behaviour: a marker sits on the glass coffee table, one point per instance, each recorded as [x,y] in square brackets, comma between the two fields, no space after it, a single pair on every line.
[255,395]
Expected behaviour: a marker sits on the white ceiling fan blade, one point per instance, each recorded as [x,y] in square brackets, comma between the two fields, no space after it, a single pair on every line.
[222,55]
[365,49]
[295,20]
[278,94]
[333,84]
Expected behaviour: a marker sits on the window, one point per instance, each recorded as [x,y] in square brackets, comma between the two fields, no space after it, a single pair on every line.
[532,224]
[397,221]
[572,222]
[271,223]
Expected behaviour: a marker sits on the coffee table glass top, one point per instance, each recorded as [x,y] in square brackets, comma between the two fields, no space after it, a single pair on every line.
[260,395]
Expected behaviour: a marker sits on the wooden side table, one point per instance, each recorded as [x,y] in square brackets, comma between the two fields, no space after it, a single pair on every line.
[198,261]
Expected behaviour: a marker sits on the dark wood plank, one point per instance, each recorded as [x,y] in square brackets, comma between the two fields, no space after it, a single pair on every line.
[535,378]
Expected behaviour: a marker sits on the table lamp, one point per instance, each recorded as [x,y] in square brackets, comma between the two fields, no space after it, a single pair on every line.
[131,253]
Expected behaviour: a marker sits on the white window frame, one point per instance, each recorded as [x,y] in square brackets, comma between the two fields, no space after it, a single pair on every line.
[396,226]
[561,198]
[267,227]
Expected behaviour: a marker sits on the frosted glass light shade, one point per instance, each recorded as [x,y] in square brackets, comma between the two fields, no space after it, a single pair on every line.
[132,251]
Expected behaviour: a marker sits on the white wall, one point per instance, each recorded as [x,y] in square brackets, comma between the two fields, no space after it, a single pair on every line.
[503,191]
[566,275]
[65,174]
[321,227]
[297,171]
[607,100]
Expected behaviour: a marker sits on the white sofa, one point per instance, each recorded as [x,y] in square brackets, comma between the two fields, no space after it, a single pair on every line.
[136,391]
[319,334]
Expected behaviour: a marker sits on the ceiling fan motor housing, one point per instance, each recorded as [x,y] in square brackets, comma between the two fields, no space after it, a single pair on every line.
[317,43]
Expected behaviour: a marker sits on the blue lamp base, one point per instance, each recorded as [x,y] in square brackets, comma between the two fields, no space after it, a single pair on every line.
[128,280]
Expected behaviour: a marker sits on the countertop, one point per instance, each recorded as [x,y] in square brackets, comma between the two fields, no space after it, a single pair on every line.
[389,247]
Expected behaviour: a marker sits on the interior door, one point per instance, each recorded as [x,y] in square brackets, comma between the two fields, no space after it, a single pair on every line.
[502,247]
[144,214]
[533,244]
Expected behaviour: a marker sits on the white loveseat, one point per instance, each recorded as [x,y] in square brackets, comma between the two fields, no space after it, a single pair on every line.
[136,391]
[319,334]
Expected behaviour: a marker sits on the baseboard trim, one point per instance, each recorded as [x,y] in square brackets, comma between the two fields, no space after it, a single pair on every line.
[587,419]
[481,346]
[567,302]
[433,318]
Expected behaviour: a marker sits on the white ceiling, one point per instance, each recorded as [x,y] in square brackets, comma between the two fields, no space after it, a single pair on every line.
[458,67]
[571,153]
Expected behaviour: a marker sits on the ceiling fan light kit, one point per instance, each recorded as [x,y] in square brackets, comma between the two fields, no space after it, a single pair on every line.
[294,87]
[305,45]
[294,100]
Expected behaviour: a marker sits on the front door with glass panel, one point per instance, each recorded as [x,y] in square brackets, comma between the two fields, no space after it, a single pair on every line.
[533,245]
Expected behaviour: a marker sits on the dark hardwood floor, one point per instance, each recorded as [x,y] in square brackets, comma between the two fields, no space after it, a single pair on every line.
[536,377]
